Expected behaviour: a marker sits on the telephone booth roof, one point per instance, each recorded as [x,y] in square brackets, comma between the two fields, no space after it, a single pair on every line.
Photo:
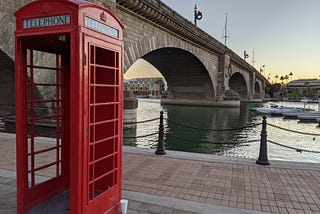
[48,15]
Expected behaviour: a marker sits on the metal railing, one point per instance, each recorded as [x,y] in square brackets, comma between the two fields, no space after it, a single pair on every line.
[263,155]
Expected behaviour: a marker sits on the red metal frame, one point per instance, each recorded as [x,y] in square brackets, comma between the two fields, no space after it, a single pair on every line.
[104,105]
[84,104]
[32,118]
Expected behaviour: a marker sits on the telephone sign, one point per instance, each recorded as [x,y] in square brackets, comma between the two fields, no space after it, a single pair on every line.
[46,21]
[102,28]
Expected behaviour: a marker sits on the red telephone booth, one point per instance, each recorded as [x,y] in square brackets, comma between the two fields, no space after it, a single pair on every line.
[69,56]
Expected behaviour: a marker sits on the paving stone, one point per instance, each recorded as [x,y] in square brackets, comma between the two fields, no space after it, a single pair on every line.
[270,189]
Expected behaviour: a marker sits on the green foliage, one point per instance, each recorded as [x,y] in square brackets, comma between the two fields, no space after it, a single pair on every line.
[276,87]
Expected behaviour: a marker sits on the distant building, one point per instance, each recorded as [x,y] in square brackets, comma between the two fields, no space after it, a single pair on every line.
[300,83]
[302,88]
[147,87]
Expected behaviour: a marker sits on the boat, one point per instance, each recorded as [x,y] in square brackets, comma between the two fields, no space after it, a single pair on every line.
[274,109]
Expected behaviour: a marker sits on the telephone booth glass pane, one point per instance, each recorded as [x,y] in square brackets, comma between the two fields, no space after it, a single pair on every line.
[104,120]
[44,115]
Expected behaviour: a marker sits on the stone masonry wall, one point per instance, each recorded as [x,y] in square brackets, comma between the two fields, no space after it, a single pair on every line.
[141,37]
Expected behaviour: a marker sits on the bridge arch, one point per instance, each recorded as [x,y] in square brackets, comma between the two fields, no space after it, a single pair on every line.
[257,88]
[185,74]
[238,83]
[157,42]
[7,86]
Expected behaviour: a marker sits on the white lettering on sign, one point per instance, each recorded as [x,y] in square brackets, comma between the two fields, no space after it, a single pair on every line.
[98,26]
[46,21]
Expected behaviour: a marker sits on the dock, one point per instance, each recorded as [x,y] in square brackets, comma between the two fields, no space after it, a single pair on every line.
[303,117]
[294,115]
[308,118]
[190,183]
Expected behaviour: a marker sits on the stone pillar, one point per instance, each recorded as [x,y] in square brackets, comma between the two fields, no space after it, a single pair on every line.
[224,74]
[263,89]
[227,70]
[253,83]
[221,77]
[130,110]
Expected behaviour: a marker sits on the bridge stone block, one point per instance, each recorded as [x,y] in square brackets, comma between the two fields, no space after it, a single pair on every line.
[151,26]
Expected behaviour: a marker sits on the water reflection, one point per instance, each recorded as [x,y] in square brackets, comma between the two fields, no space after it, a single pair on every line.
[185,139]
[188,139]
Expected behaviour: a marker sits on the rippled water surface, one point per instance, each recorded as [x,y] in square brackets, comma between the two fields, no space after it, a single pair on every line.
[214,142]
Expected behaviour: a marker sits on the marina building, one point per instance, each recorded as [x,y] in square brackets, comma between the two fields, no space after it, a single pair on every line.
[146,87]
[302,89]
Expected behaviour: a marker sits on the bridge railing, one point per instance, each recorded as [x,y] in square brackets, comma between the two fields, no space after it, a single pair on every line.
[263,152]
[192,32]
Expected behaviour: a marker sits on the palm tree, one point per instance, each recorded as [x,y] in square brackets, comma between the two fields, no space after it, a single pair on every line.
[286,77]
[281,79]
[290,74]
[276,77]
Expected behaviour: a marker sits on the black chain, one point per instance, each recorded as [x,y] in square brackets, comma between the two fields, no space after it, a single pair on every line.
[196,128]
[142,136]
[298,132]
[297,149]
[144,121]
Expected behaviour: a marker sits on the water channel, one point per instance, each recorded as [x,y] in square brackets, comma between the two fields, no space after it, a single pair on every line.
[242,143]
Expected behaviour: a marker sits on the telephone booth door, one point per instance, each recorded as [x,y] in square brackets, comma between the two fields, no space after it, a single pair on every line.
[103,161]
[42,117]
[68,106]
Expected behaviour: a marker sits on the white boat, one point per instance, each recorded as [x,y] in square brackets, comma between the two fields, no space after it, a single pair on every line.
[276,110]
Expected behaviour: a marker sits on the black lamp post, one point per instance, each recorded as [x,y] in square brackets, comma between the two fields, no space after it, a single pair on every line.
[197,15]
[261,68]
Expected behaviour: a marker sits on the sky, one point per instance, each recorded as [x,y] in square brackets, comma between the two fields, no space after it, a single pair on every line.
[284,34]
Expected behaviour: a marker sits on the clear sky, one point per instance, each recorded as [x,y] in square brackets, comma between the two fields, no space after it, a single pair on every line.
[284,34]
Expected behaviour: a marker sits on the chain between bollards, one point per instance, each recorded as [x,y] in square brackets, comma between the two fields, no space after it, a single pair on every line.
[263,154]
[160,149]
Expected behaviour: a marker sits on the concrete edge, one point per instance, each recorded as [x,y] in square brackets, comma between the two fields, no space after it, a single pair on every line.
[8,173]
[183,205]
[224,159]
[13,174]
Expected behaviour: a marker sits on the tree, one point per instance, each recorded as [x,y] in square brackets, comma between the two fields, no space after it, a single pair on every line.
[276,77]
[276,87]
[286,77]
[281,79]
[290,74]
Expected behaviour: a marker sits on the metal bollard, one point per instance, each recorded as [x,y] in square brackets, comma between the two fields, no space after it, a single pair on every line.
[263,154]
[160,149]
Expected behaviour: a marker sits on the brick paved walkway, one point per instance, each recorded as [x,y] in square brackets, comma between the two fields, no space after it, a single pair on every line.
[7,195]
[192,183]
[250,187]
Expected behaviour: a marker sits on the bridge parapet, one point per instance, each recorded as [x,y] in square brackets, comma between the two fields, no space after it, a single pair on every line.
[161,14]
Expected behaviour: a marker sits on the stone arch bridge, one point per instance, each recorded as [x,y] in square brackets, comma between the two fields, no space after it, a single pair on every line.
[199,69]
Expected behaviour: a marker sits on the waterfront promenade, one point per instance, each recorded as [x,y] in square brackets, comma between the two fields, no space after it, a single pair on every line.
[195,183]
